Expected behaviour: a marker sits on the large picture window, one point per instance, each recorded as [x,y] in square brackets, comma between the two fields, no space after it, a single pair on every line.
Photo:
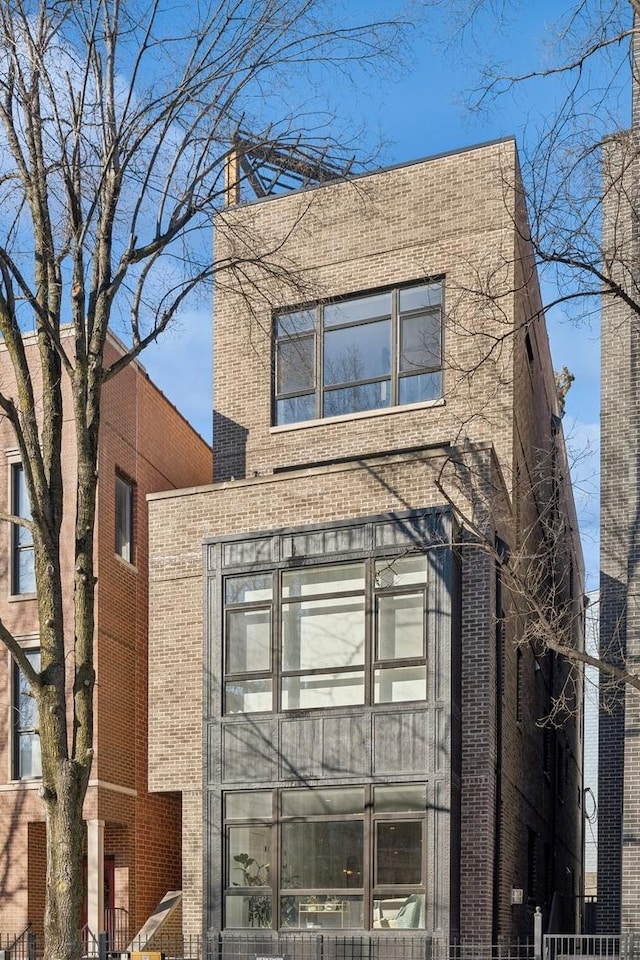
[360,353]
[332,858]
[326,636]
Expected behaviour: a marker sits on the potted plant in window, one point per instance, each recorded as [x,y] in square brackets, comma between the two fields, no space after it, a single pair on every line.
[255,874]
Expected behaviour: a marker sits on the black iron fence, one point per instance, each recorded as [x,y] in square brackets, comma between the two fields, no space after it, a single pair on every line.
[267,945]
[377,945]
[20,946]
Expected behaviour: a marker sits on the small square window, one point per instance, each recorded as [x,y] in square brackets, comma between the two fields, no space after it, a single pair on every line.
[23,576]
[124,518]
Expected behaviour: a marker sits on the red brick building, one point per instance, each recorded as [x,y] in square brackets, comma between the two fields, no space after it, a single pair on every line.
[133,837]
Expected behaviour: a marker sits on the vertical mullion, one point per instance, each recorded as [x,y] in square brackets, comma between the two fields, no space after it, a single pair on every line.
[275,859]
[395,346]
[319,385]
[425,619]
[276,644]
[369,858]
[369,629]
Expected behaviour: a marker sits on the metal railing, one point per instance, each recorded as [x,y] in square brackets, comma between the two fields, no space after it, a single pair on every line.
[18,946]
[116,925]
[376,945]
[559,947]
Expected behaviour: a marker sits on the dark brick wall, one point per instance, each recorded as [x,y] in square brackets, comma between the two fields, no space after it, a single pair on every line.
[619,756]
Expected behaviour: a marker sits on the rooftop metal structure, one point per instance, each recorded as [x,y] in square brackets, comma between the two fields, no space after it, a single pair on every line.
[271,167]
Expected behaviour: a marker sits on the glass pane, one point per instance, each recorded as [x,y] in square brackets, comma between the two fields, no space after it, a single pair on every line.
[29,755]
[398,684]
[407,913]
[248,641]
[357,308]
[398,852]
[321,912]
[249,856]
[400,626]
[313,803]
[401,571]
[251,589]
[23,536]
[248,805]
[322,690]
[296,409]
[320,634]
[25,571]
[247,911]
[295,365]
[124,501]
[416,298]
[357,353]
[425,386]
[322,854]
[368,396]
[310,581]
[419,342]
[298,321]
[247,696]
[26,706]
[385,910]
[400,799]
[21,506]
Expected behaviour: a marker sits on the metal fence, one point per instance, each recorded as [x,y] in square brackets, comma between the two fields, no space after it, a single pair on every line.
[19,946]
[274,946]
[378,945]
[625,947]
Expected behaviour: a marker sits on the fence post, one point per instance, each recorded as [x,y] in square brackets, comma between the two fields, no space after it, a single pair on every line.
[319,947]
[102,946]
[31,945]
[537,934]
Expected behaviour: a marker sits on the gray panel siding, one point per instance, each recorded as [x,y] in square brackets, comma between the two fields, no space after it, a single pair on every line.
[400,743]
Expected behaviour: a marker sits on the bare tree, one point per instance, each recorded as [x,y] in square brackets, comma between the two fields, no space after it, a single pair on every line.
[581,177]
[117,118]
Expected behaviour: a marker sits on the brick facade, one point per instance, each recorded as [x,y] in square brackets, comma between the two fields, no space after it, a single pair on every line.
[490,448]
[619,757]
[144,438]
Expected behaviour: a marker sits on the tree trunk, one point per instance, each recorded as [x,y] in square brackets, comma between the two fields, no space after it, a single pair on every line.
[65,881]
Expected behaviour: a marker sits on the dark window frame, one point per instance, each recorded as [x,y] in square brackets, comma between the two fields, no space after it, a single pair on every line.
[124,522]
[369,891]
[371,666]
[21,537]
[20,693]
[317,391]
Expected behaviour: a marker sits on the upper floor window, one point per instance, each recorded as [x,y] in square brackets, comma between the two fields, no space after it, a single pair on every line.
[326,636]
[124,518]
[360,353]
[23,577]
[26,739]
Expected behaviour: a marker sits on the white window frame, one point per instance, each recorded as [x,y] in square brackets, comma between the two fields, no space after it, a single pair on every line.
[124,491]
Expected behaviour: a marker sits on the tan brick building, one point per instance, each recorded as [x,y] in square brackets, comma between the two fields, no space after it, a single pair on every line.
[133,837]
[336,688]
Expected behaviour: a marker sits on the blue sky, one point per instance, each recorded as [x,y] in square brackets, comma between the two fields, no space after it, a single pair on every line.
[415,113]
